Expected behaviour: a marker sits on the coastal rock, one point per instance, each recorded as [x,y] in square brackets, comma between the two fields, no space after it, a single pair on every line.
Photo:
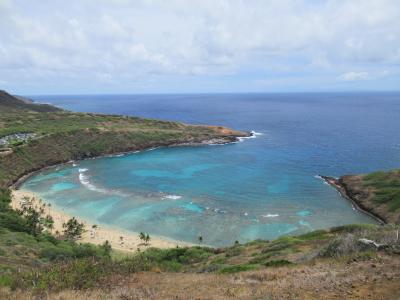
[354,188]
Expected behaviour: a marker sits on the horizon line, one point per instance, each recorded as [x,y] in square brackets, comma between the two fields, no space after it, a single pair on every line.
[209,93]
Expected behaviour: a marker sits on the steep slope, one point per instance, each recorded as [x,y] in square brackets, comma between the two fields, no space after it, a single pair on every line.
[377,193]
[9,103]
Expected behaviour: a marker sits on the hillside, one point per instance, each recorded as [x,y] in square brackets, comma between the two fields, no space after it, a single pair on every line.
[9,103]
[377,193]
[359,261]
[59,136]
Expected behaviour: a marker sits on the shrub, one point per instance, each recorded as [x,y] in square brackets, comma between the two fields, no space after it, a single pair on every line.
[314,235]
[73,229]
[238,268]
[278,263]
[342,245]
[234,251]
[77,274]
[5,280]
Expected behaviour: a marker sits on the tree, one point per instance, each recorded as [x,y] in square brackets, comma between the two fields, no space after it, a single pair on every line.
[142,236]
[47,222]
[32,218]
[147,239]
[200,238]
[106,247]
[73,229]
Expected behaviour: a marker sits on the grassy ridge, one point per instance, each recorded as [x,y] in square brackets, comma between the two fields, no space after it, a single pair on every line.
[62,136]
[386,188]
[9,103]
[377,193]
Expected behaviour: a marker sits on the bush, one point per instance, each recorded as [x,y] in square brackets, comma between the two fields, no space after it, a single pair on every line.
[238,268]
[314,235]
[342,245]
[349,243]
[5,280]
[234,251]
[278,263]
[73,229]
[77,274]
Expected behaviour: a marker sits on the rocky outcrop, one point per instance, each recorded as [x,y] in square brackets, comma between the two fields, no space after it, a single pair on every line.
[352,187]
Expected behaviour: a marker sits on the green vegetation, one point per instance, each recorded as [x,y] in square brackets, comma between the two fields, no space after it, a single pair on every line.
[39,261]
[32,258]
[61,136]
[278,263]
[386,188]
[9,103]
[25,242]
[73,229]
[145,238]
[238,268]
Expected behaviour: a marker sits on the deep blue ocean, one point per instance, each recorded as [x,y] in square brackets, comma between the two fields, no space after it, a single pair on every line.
[262,187]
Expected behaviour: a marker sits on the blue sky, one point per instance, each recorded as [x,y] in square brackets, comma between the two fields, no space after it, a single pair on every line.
[178,46]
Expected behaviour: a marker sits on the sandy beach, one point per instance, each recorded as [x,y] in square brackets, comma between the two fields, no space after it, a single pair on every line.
[130,241]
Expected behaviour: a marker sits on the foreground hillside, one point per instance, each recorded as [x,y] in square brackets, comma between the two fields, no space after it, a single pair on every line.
[356,261]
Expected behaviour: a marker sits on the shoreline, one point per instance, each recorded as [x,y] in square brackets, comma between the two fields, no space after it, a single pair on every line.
[335,183]
[130,240]
[213,142]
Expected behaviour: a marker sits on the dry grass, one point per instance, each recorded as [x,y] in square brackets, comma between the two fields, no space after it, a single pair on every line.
[326,279]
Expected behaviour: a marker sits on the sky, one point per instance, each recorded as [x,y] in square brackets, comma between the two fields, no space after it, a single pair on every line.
[198,46]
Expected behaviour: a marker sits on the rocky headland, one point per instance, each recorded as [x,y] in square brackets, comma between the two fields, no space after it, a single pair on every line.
[376,194]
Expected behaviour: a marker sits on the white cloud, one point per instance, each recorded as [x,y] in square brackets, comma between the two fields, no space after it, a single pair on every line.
[354,76]
[142,39]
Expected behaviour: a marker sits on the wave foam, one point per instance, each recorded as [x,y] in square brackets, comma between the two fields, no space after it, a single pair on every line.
[270,216]
[84,180]
[253,135]
[256,133]
[172,197]
[320,178]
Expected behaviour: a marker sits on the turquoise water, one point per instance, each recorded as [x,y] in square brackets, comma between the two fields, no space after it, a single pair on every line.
[262,187]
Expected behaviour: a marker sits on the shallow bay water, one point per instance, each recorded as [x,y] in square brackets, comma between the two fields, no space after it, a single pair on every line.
[261,187]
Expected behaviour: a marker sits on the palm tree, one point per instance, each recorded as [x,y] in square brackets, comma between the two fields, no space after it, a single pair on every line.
[200,238]
[48,222]
[147,239]
[142,236]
